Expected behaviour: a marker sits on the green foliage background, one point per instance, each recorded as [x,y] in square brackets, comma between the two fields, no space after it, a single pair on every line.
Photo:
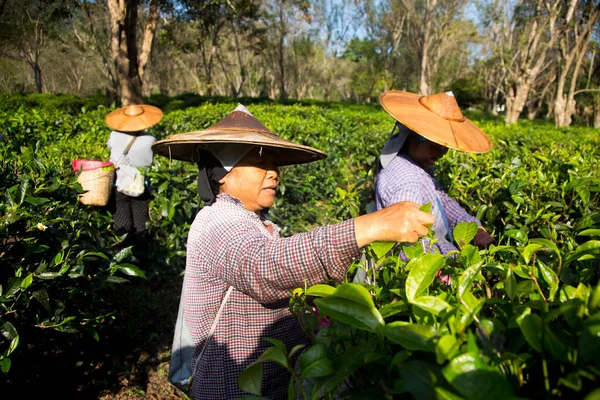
[61,263]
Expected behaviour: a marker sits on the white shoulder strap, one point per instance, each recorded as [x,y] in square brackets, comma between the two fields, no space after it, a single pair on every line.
[212,329]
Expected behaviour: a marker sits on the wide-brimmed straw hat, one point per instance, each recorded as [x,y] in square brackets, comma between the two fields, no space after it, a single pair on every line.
[239,127]
[133,118]
[437,118]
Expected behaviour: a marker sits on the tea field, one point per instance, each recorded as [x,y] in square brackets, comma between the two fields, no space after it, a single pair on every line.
[80,316]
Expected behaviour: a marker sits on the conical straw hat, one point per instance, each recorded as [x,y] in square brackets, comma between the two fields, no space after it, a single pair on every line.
[133,118]
[437,118]
[240,126]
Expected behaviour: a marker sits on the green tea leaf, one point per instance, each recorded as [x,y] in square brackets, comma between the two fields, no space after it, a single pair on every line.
[122,254]
[412,336]
[320,290]
[516,234]
[131,270]
[381,248]
[510,284]
[36,201]
[5,364]
[25,283]
[393,308]
[350,312]
[548,244]
[431,304]
[589,232]
[468,374]
[421,379]
[7,330]
[314,362]
[589,341]
[49,275]
[277,343]
[250,380]
[445,348]
[529,250]
[532,327]
[116,279]
[466,278]
[422,274]
[591,246]
[93,254]
[274,354]
[58,258]
[464,232]
[550,278]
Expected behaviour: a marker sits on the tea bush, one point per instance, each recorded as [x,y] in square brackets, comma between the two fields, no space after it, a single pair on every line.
[536,191]
[520,320]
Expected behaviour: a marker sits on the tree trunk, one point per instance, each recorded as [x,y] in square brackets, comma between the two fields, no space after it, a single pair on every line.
[532,59]
[424,86]
[37,73]
[572,57]
[531,110]
[129,68]
[515,101]
[281,60]
[597,113]
[243,71]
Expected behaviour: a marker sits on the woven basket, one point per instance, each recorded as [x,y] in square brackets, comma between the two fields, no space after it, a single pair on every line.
[98,184]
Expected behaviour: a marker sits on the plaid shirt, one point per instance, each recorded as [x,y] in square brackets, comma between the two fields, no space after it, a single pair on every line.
[229,245]
[403,180]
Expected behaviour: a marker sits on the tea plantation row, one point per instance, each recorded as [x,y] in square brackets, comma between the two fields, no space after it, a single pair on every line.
[536,191]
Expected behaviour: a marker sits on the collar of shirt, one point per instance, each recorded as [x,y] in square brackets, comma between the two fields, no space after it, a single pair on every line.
[417,168]
[264,218]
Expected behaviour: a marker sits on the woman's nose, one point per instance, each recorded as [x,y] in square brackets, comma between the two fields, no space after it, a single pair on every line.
[273,172]
[440,150]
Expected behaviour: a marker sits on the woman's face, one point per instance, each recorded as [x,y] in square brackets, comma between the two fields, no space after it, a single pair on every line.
[253,180]
[424,153]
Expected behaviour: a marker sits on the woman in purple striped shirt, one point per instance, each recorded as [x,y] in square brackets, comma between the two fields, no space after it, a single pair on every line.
[426,127]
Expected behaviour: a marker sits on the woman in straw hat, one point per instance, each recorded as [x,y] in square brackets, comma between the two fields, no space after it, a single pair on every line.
[129,145]
[240,273]
[426,127]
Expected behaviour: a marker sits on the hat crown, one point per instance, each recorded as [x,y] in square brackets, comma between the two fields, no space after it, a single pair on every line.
[443,105]
[239,120]
[133,110]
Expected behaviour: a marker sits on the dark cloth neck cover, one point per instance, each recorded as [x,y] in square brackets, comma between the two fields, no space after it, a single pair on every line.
[210,172]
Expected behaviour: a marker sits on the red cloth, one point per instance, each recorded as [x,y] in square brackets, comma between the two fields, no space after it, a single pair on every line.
[89,165]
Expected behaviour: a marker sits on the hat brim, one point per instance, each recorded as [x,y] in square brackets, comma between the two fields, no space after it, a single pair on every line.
[185,146]
[459,135]
[121,122]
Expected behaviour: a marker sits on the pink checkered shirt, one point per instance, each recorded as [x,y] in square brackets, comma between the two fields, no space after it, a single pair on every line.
[229,245]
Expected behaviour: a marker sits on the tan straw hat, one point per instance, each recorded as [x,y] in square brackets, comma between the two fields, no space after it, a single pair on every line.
[133,118]
[241,127]
[437,118]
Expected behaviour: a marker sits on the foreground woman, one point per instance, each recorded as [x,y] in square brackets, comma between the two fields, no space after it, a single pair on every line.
[240,273]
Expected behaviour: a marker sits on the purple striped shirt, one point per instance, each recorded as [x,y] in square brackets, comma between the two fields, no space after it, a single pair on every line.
[229,245]
[403,180]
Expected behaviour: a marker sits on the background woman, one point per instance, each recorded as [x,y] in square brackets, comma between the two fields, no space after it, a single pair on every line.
[131,146]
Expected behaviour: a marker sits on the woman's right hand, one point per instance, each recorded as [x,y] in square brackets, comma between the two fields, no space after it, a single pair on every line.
[400,222]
